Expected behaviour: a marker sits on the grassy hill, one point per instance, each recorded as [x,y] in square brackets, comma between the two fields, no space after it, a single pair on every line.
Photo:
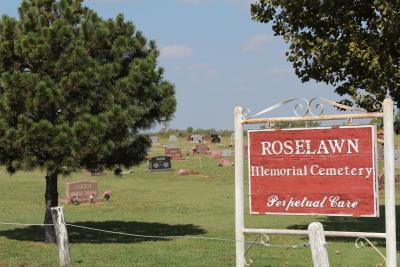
[163,204]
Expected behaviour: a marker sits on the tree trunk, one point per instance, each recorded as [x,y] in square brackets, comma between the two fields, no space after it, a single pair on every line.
[51,200]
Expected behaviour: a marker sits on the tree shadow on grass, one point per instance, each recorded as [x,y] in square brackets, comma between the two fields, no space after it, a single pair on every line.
[355,224]
[80,235]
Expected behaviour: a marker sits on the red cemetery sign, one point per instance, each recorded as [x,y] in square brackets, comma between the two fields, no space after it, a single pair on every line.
[324,171]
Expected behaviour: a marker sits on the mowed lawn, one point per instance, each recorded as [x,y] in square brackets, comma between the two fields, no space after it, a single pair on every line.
[163,204]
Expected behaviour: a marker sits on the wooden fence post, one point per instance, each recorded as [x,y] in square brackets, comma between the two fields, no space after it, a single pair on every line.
[318,245]
[61,235]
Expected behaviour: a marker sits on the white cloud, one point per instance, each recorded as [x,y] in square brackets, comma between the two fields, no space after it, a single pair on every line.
[203,71]
[256,43]
[176,51]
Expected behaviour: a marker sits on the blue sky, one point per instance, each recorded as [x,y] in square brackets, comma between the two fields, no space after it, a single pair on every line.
[216,56]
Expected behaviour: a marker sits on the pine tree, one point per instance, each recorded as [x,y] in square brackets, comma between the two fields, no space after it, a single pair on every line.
[76,91]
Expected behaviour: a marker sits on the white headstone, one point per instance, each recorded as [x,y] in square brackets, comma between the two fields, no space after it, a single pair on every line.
[155,140]
[172,138]
[197,138]
[397,157]
[227,153]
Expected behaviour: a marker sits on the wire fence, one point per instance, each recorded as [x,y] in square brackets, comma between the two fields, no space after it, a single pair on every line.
[168,237]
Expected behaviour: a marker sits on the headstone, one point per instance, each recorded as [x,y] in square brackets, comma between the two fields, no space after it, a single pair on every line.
[171,146]
[232,140]
[186,172]
[206,137]
[227,153]
[201,149]
[80,189]
[397,157]
[225,163]
[189,137]
[380,152]
[197,138]
[155,141]
[172,138]
[95,172]
[173,153]
[215,139]
[161,163]
[216,154]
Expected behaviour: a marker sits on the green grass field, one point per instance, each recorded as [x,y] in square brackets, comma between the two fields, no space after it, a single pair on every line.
[159,204]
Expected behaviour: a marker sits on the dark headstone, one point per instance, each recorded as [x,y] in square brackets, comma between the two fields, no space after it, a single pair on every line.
[215,139]
[161,163]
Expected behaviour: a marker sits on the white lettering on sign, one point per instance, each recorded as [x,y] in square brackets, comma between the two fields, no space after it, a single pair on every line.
[313,170]
[305,147]
[305,202]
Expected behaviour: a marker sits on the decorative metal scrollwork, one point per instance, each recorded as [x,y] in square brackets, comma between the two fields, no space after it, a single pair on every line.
[378,105]
[311,107]
[359,244]
[248,262]
[265,240]
[245,113]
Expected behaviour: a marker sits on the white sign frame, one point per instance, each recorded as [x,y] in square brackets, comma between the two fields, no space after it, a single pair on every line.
[240,119]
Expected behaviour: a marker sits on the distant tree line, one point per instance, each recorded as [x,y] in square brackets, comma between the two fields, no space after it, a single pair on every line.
[291,124]
[190,130]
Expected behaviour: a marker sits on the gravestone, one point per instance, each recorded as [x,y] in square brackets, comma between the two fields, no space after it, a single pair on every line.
[227,153]
[172,138]
[380,152]
[216,154]
[232,140]
[95,172]
[189,137]
[215,139]
[206,137]
[197,138]
[155,141]
[171,146]
[80,189]
[397,157]
[201,149]
[173,153]
[161,163]
[225,163]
